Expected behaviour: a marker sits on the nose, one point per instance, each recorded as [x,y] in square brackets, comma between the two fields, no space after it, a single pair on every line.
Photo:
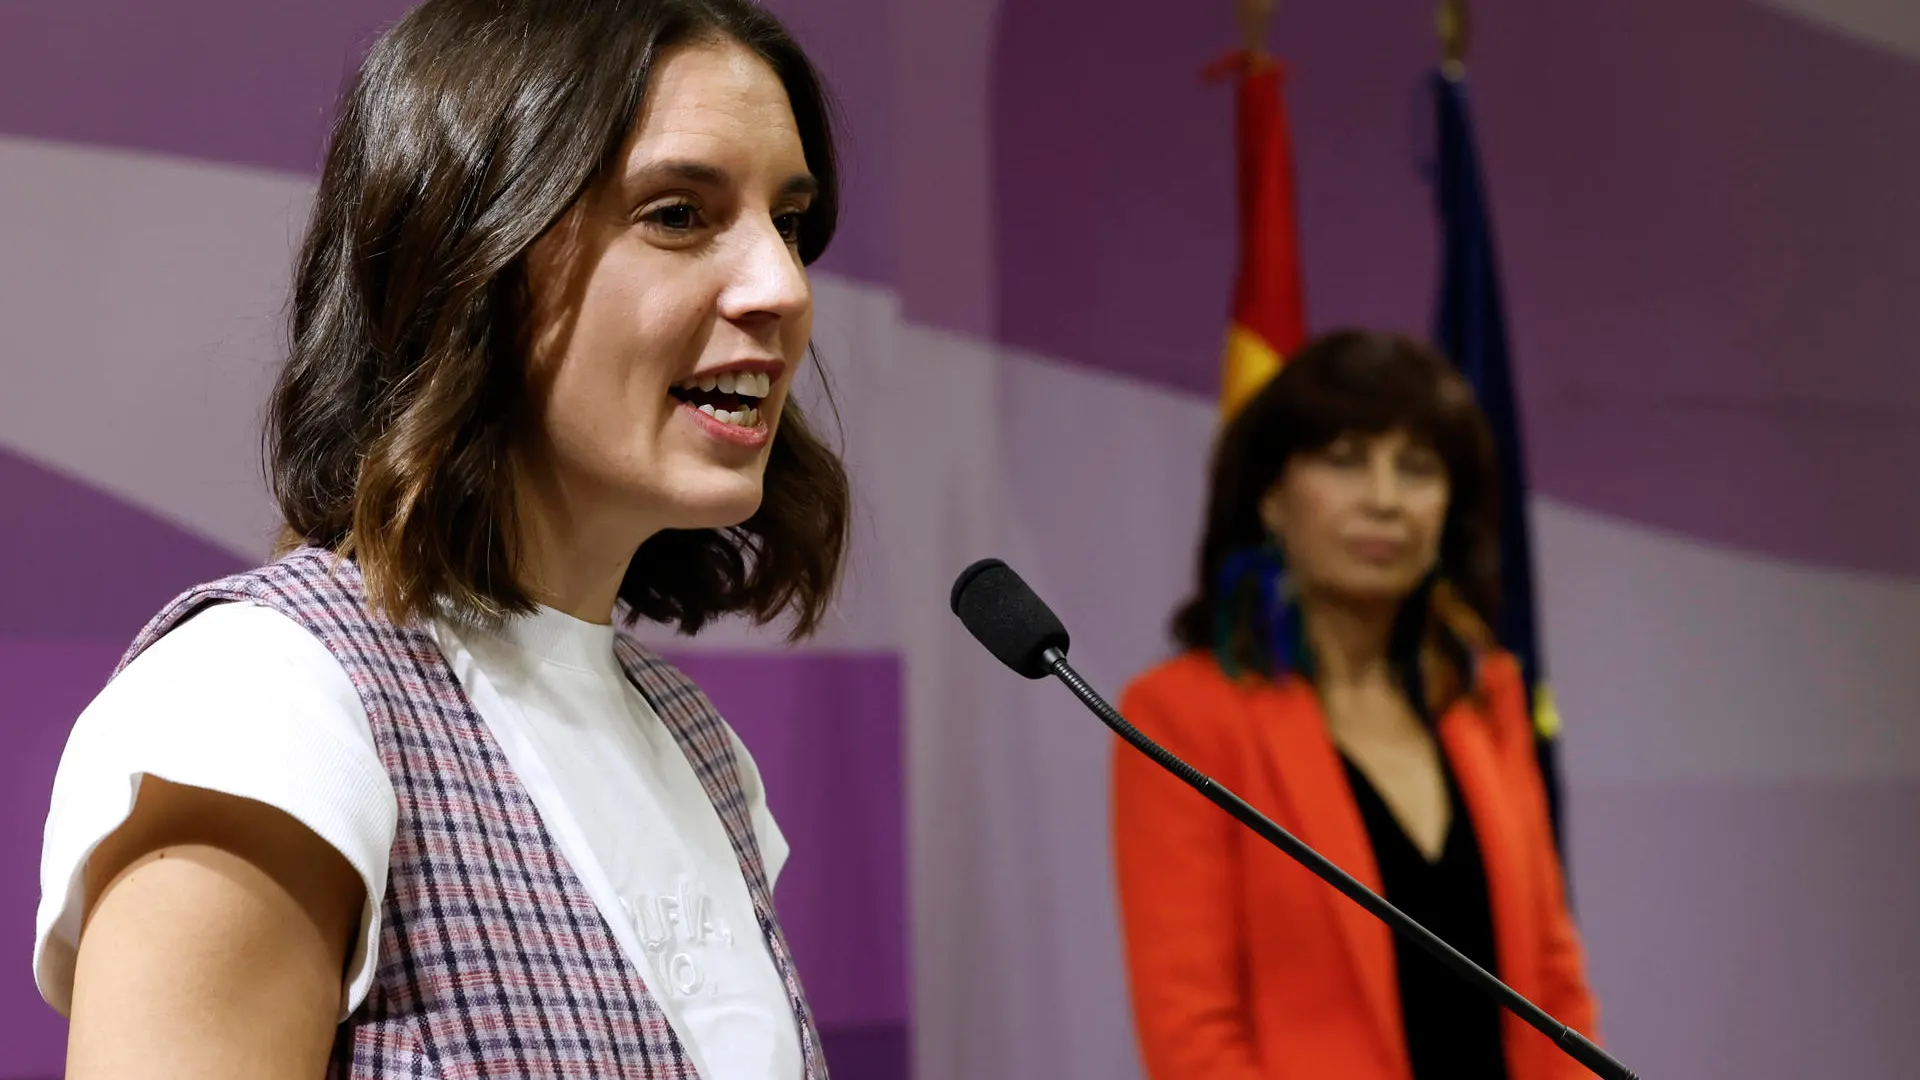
[767,282]
[1384,485]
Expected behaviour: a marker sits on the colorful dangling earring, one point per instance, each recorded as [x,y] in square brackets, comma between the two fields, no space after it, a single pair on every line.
[1286,625]
[1258,576]
[1243,572]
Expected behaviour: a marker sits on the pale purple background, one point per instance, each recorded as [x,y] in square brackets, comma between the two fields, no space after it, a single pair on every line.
[1707,213]
[1710,240]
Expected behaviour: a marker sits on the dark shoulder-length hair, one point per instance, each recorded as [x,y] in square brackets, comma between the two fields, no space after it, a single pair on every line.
[1352,382]
[473,126]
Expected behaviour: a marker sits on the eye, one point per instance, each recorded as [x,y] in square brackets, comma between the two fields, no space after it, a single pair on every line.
[673,217]
[1344,452]
[789,225]
[1421,462]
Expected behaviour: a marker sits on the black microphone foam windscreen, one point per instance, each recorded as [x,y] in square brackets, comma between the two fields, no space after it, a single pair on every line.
[1007,617]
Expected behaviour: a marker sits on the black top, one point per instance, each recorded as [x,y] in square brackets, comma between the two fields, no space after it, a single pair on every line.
[1452,1029]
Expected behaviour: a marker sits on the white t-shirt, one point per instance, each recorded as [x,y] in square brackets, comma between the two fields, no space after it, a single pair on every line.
[242,700]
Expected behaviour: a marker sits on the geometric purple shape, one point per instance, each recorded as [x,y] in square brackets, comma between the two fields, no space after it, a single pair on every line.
[45,685]
[1707,265]
[869,1052]
[215,80]
[842,40]
[826,732]
[244,83]
[1115,215]
[77,562]
[1711,267]
[1105,255]
[1788,483]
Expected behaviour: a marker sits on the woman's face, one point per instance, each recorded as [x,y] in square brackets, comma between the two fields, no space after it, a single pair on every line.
[670,308]
[1362,518]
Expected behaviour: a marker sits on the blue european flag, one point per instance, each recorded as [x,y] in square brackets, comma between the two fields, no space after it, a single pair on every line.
[1470,326]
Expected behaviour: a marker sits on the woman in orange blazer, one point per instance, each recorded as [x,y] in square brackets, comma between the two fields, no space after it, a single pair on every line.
[1339,676]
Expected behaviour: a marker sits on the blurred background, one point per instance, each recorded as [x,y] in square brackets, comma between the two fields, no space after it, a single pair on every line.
[1708,218]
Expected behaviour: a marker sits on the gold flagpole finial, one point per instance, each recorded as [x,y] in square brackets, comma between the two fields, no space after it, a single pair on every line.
[1254,17]
[1453,27]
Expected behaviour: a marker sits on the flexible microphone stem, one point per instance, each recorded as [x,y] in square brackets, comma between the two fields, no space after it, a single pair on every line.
[1576,1045]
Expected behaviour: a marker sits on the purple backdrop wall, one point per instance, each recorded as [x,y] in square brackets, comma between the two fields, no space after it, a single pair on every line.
[1693,199]
[1706,217]
[1709,233]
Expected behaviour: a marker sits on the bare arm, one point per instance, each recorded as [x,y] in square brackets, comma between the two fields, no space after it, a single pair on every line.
[215,940]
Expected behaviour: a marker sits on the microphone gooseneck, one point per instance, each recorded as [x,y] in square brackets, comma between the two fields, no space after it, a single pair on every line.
[1018,628]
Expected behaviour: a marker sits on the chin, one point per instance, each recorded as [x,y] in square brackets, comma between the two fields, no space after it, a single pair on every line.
[718,505]
[1375,586]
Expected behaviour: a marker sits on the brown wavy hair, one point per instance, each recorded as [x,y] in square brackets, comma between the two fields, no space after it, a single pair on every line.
[473,126]
[1356,382]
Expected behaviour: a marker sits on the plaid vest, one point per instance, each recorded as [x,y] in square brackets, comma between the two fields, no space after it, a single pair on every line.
[494,961]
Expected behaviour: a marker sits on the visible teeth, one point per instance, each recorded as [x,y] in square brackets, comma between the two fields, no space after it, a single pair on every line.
[755,384]
[746,384]
[746,418]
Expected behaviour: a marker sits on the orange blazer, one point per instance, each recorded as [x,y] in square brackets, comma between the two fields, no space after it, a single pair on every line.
[1244,965]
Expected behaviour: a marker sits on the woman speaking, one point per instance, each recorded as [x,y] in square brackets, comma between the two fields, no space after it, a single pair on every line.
[409,801]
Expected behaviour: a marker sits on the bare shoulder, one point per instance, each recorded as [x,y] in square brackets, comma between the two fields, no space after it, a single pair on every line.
[168,817]
[216,931]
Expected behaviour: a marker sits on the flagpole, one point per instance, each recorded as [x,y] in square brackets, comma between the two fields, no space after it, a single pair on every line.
[1453,26]
[1254,17]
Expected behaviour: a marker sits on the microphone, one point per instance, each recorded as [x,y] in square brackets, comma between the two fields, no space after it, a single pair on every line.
[1018,628]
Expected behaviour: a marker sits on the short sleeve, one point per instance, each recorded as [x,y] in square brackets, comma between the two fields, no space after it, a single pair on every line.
[773,842]
[240,700]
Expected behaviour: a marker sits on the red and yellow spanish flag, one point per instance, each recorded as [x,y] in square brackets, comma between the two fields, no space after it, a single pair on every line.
[1269,311]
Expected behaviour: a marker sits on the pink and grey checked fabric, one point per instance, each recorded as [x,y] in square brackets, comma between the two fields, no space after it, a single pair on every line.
[493,961]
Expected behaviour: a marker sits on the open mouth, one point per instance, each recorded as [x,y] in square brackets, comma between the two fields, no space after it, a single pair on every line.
[731,398]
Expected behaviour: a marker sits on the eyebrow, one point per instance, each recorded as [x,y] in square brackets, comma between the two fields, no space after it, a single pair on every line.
[801,184]
[701,173]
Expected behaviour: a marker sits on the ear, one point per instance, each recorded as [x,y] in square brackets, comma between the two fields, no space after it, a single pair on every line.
[1273,510]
